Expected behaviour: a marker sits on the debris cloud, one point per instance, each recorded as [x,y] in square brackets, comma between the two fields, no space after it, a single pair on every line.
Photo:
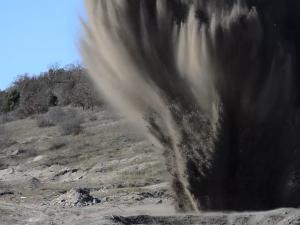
[214,84]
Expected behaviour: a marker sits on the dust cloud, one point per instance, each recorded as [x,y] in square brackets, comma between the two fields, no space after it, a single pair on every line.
[214,84]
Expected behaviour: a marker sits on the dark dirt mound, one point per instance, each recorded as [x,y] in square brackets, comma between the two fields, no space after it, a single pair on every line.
[281,216]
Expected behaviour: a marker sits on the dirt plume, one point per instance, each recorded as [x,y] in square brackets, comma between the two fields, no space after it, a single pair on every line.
[214,83]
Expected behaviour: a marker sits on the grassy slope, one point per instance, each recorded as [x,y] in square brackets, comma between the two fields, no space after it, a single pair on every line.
[105,157]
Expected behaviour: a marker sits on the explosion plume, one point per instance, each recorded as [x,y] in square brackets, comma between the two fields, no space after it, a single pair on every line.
[214,83]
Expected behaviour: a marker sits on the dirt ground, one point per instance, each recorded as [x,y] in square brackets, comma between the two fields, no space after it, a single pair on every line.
[107,174]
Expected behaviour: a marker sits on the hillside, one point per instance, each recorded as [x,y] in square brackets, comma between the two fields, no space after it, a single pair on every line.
[39,165]
[59,86]
[50,178]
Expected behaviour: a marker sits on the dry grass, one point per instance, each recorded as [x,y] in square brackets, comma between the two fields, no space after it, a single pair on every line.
[5,140]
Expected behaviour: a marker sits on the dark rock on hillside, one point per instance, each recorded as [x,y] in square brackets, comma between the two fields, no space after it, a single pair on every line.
[76,197]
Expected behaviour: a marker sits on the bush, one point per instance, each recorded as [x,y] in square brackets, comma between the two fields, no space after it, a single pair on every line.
[31,95]
[93,117]
[44,121]
[56,115]
[10,100]
[84,94]
[2,99]
[53,117]
[71,125]
[69,120]
[34,95]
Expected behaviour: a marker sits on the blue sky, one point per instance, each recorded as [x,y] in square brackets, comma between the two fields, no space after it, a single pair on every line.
[35,34]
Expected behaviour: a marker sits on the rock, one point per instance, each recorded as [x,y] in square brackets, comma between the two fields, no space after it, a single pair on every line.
[68,174]
[106,199]
[121,185]
[4,193]
[7,172]
[38,158]
[19,152]
[34,183]
[156,194]
[61,173]
[76,197]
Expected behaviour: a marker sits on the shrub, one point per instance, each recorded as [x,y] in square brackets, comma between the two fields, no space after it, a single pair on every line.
[84,94]
[10,100]
[31,95]
[44,121]
[34,95]
[71,125]
[69,120]
[93,117]
[2,99]
[56,115]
